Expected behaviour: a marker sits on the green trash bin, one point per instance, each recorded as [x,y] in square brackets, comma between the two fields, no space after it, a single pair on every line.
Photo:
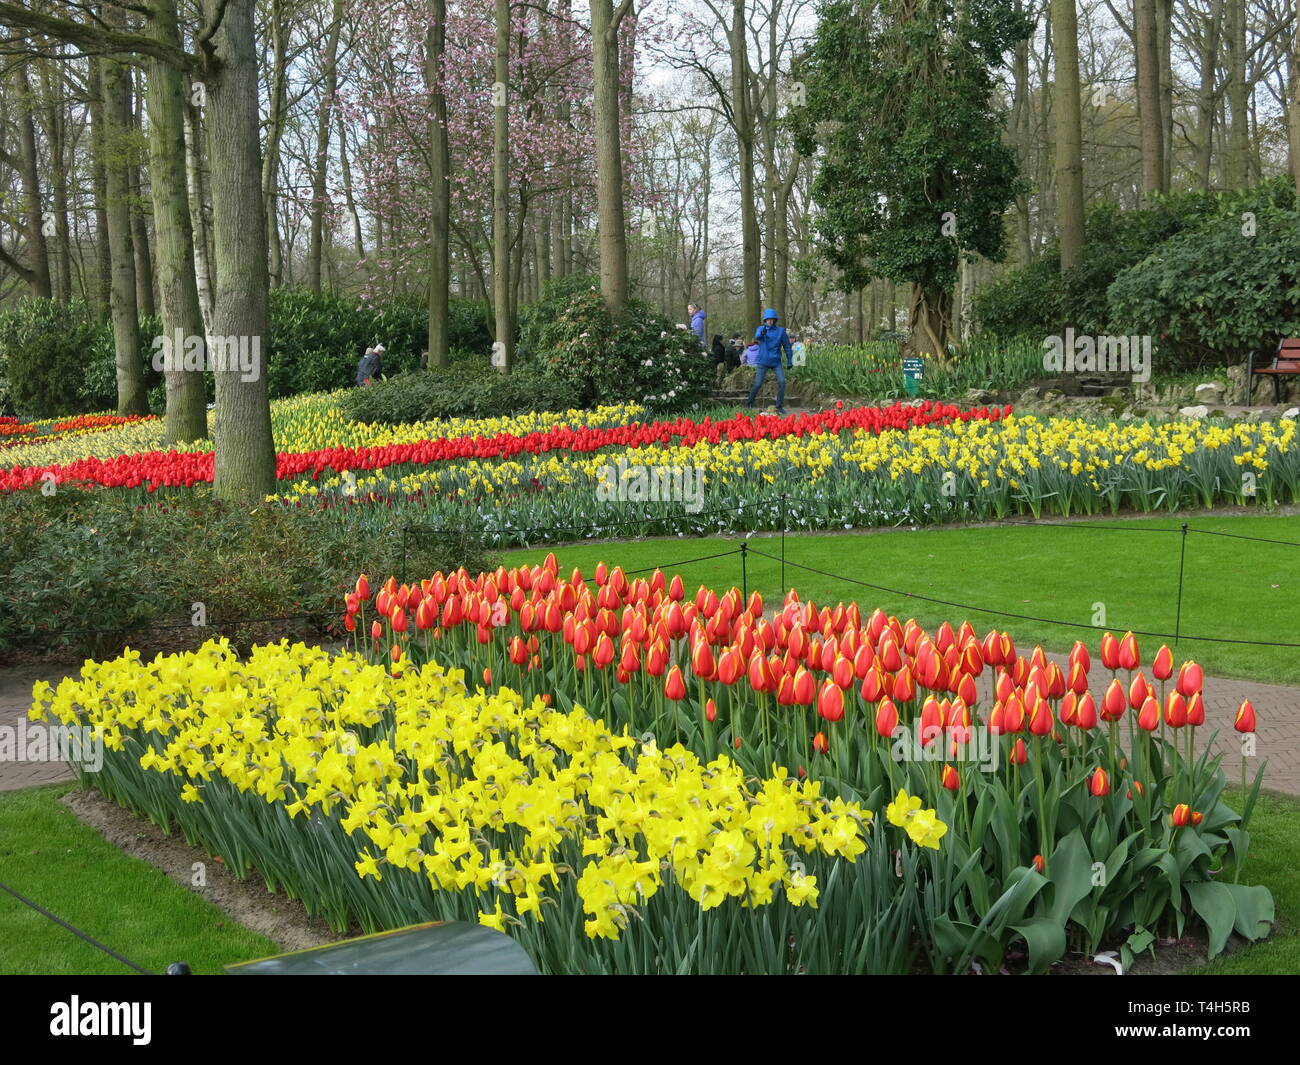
[913,371]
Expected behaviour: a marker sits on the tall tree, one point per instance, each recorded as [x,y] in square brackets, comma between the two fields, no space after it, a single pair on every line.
[1147,38]
[605,22]
[1069,132]
[1293,109]
[435,56]
[912,80]
[177,285]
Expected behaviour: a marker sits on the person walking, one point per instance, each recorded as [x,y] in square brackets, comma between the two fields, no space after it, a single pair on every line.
[719,360]
[370,365]
[772,340]
[697,323]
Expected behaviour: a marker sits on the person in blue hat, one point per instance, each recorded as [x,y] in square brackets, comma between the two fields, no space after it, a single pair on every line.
[771,339]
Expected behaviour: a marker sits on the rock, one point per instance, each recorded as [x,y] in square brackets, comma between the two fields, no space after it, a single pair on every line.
[1052,395]
[1027,397]
[1200,411]
[1210,392]
[1291,412]
[979,395]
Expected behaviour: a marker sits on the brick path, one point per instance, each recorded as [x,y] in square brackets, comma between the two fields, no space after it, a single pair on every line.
[1277,707]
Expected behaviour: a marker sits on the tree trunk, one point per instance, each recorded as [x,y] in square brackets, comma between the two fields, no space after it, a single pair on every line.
[244,452]
[102,265]
[1238,168]
[609,155]
[197,186]
[435,51]
[54,119]
[38,258]
[345,169]
[1293,110]
[140,243]
[504,331]
[1164,30]
[1205,97]
[320,161]
[1147,39]
[1069,132]
[1021,137]
[279,32]
[187,418]
[743,123]
[131,395]
[931,321]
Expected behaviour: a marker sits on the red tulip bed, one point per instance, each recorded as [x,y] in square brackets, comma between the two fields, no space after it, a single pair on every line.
[1078,820]
[158,469]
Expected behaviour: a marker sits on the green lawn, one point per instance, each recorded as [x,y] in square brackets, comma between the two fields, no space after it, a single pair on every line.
[53,859]
[1232,588]
[1272,861]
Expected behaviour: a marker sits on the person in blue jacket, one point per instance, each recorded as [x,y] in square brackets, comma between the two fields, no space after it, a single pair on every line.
[697,323]
[771,339]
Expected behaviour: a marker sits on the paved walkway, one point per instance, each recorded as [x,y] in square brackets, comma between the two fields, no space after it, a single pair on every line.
[1276,706]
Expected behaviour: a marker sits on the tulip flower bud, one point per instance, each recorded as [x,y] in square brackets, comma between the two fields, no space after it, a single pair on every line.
[1197,817]
[1040,718]
[1099,785]
[1196,710]
[710,711]
[1163,666]
[1114,702]
[886,718]
[1129,658]
[1085,716]
[1190,679]
[830,700]
[1109,651]
[1149,715]
[1019,753]
[675,685]
[950,778]
[804,687]
[1181,816]
[820,743]
[1245,719]
[1039,864]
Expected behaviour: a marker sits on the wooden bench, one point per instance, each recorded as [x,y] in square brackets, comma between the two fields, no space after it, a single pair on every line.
[1286,360]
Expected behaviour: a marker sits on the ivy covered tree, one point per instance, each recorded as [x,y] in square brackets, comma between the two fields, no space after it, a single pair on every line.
[901,110]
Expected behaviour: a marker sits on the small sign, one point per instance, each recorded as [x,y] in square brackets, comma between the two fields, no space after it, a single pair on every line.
[798,353]
[913,371]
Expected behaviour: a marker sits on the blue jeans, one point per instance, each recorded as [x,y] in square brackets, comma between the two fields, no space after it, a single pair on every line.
[780,385]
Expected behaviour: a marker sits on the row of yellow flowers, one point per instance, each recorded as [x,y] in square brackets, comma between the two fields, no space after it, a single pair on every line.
[329,774]
[1014,452]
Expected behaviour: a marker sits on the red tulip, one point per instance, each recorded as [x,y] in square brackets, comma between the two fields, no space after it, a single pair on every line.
[1099,785]
[904,686]
[1190,679]
[873,685]
[1196,710]
[1181,816]
[603,653]
[1019,753]
[842,672]
[363,588]
[886,718]
[629,660]
[702,661]
[1129,658]
[1040,718]
[1109,651]
[675,685]
[830,700]
[1175,710]
[1039,864]
[710,711]
[1085,716]
[820,743]
[1138,690]
[804,687]
[950,778]
[1079,657]
[1013,714]
[1245,719]
[1163,666]
[1149,716]
[1113,703]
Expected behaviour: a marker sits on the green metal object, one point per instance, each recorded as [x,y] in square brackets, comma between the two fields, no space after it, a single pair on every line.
[439,948]
[913,371]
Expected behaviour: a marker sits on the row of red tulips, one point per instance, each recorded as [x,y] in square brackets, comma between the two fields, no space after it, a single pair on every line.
[173,468]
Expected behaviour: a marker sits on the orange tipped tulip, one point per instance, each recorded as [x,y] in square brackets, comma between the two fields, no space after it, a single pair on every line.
[703,664]
[675,685]
[1181,816]
[804,687]
[363,588]
[1190,679]
[842,672]
[1099,784]
[1113,703]
[1039,864]
[830,701]
[1175,710]
[950,778]
[1149,716]
[1013,714]
[886,718]
[1197,817]
[873,685]
[710,711]
[820,743]
[1019,753]
[1109,651]
[1085,717]
[1137,691]
[1196,710]
[904,686]
[1040,718]
[1163,666]
[1245,719]
[1129,658]
[518,651]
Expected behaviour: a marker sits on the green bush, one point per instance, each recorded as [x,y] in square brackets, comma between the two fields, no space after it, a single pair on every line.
[85,573]
[1212,294]
[58,359]
[1037,299]
[571,337]
[464,389]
